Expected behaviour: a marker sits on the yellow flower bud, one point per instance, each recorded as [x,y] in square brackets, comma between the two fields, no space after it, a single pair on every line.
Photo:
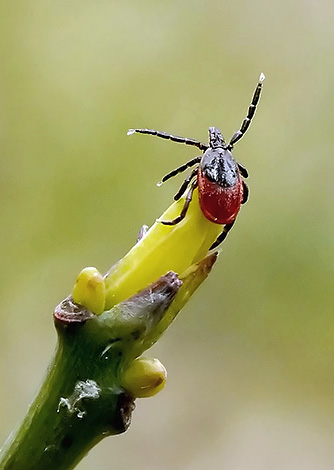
[163,248]
[144,377]
[89,290]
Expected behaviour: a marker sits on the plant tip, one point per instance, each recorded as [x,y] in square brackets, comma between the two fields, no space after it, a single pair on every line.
[159,184]
[262,77]
[131,131]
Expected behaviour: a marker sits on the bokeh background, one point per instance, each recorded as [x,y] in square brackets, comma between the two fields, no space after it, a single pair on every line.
[251,357]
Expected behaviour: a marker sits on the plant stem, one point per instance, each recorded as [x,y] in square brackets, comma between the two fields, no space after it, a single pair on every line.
[83,398]
[71,413]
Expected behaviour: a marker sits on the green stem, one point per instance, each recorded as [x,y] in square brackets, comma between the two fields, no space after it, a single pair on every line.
[82,399]
[74,410]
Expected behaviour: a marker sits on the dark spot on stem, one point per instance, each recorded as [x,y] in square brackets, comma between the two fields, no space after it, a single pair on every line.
[67,442]
[136,334]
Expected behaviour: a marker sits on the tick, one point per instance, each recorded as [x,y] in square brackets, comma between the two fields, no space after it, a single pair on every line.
[216,174]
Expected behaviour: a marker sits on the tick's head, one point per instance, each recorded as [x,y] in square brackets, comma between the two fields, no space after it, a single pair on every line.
[216,139]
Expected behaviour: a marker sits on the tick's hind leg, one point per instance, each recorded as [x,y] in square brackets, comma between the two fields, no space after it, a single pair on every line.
[184,208]
[246,193]
[223,235]
[243,170]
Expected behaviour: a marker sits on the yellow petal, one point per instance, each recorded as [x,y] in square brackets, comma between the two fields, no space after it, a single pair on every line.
[164,248]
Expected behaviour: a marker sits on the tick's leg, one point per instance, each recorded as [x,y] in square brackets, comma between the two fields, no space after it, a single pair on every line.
[243,170]
[180,169]
[184,209]
[223,235]
[246,193]
[185,184]
[251,111]
[174,138]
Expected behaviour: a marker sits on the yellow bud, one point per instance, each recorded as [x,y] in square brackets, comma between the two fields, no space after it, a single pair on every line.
[89,290]
[164,248]
[144,377]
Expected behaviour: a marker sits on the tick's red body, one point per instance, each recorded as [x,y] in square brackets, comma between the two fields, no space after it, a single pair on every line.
[217,175]
[218,204]
[220,187]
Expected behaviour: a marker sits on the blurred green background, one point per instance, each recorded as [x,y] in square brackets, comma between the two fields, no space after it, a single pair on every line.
[251,357]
